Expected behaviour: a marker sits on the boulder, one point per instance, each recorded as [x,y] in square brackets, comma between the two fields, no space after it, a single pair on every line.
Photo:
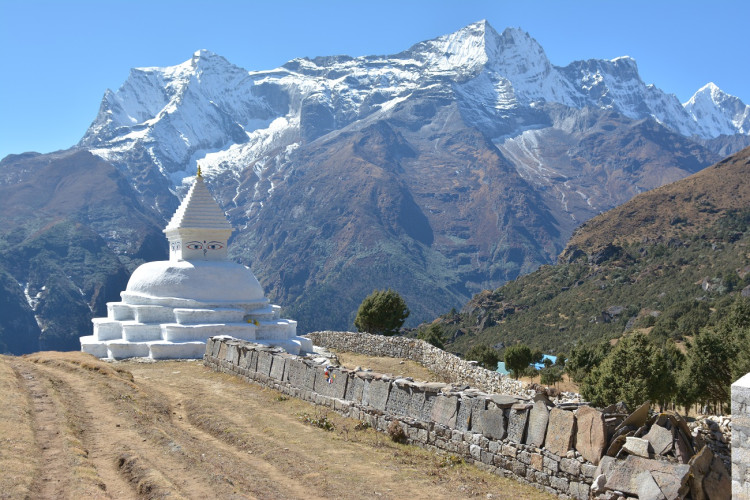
[591,435]
[718,483]
[660,439]
[671,479]
[709,478]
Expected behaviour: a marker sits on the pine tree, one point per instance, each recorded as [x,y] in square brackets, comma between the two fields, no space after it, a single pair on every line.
[517,358]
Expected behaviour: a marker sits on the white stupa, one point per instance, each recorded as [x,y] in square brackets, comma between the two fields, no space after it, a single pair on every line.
[170,308]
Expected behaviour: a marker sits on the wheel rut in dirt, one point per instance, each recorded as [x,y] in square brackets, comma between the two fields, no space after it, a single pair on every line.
[57,449]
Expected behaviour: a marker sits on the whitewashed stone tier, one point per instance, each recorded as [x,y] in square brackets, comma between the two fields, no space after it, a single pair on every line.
[170,308]
[151,322]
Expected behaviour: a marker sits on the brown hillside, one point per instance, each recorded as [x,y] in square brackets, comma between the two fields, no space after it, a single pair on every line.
[72,426]
[684,207]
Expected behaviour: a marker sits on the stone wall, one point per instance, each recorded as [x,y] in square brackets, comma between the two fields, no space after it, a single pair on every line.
[571,451]
[741,438]
[446,365]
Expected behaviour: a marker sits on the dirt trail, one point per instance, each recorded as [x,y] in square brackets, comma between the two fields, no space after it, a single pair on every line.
[148,430]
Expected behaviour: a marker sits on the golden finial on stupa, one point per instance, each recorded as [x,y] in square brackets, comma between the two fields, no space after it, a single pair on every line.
[199,172]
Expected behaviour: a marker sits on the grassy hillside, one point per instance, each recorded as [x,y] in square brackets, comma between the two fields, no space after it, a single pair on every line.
[672,259]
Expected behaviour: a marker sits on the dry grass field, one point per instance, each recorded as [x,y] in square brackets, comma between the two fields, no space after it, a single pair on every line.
[72,426]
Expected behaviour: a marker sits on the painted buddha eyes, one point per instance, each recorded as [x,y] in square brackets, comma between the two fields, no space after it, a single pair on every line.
[211,245]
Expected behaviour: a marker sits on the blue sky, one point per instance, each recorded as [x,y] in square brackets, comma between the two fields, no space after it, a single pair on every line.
[60,56]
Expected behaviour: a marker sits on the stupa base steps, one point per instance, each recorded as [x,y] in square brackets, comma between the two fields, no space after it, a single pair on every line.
[164,349]
[164,332]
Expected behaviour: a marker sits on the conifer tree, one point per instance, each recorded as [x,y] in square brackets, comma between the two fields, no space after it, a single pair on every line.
[382,312]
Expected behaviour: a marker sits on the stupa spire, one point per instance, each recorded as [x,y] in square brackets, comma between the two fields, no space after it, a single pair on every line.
[199,229]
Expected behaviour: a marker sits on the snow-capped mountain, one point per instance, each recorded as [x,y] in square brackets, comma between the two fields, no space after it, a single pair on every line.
[442,170]
[717,113]
[211,110]
[582,138]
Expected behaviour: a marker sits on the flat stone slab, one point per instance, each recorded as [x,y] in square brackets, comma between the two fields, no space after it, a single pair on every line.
[399,399]
[560,431]
[670,478]
[636,446]
[376,392]
[591,437]
[648,488]
[467,412]
[637,418]
[491,423]
[503,400]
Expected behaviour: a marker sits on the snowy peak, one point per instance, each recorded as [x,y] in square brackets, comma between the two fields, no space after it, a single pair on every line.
[613,84]
[470,49]
[715,112]
[463,51]
[516,52]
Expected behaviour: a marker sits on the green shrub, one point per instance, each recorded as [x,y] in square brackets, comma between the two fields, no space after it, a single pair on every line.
[396,432]
[584,358]
[551,375]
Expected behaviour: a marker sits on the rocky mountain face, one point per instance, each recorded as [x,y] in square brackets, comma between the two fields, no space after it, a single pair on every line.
[73,230]
[448,168]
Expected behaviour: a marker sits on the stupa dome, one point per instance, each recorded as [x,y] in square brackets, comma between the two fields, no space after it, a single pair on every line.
[202,281]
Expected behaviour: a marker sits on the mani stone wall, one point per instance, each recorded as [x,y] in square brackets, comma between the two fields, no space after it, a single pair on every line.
[446,365]
[741,438]
[570,451]
[527,441]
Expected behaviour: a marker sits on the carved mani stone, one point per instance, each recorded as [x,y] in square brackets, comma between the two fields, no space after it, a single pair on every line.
[538,419]
[591,438]
[519,416]
[560,431]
